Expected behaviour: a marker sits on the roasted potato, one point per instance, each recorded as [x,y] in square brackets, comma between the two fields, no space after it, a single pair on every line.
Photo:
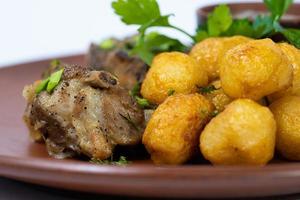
[243,134]
[209,51]
[293,55]
[172,134]
[254,70]
[215,94]
[287,115]
[172,72]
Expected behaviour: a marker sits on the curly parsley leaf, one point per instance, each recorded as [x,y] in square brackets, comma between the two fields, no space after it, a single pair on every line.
[277,7]
[219,20]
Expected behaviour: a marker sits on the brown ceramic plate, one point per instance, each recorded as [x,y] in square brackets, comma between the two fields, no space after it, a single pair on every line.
[24,160]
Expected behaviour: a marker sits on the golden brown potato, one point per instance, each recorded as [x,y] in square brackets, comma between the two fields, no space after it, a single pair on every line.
[244,133]
[254,70]
[172,134]
[293,55]
[287,115]
[209,51]
[172,71]
[215,94]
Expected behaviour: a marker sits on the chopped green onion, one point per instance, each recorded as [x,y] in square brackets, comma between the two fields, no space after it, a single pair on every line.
[42,86]
[54,79]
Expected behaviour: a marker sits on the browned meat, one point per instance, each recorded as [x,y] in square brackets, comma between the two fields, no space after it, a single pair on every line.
[128,69]
[87,113]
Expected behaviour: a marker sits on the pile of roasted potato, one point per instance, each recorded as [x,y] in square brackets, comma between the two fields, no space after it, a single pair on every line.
[234,98]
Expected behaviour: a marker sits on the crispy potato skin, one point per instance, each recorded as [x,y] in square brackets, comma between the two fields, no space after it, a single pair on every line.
[255,69]
[172,134]
[243,134]
[209,51]
[293,55]
[217,97]
[172,71]
[287,115]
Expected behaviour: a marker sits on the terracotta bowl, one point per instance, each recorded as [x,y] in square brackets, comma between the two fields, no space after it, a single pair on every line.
[250,10]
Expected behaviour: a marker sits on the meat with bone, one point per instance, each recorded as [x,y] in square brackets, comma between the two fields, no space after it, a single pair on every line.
[87,113]
[116,60]
[128,69]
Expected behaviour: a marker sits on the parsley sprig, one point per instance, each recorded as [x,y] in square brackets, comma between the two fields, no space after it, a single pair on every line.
[221,23]
[146,14]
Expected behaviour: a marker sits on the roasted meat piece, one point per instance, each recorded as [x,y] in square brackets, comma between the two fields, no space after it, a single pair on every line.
[128,69]
[88,113]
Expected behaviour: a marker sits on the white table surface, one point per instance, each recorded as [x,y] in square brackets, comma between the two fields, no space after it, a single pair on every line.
[36,29]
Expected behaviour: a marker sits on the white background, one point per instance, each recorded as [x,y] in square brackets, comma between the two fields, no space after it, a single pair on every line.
[36,29]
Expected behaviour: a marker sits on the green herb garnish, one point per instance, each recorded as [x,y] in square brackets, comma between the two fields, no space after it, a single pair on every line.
[220,23]
[146,14]
[207,90]
[135,93]
[55,63]
[171,92]
[54,79]
[219,20]
[292,35]
[122,161]
[42,86]
[144,103]
[278,7]
[50,83]
[214,113]
[154,43]
[107,44]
